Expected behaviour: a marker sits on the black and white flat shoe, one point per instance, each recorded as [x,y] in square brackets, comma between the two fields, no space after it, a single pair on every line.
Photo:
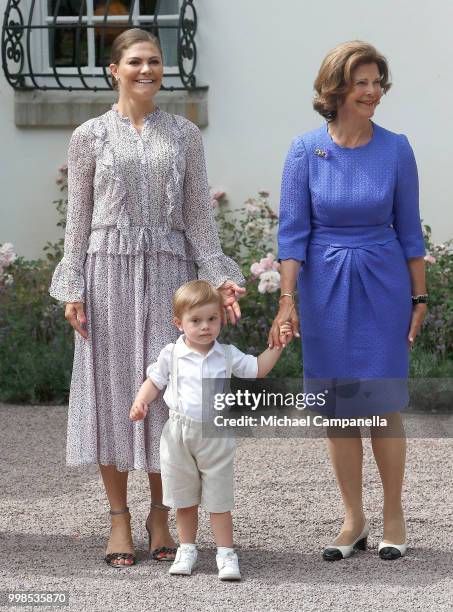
[333,552]
[390,552]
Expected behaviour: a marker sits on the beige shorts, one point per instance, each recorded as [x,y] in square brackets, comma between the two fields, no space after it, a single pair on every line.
[195,470]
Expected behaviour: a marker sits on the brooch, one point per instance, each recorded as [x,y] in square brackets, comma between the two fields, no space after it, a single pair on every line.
[325,153]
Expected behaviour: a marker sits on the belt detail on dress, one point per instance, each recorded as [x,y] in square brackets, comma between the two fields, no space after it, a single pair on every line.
[352,236]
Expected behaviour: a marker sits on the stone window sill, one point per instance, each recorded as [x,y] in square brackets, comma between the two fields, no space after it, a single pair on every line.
[70,109]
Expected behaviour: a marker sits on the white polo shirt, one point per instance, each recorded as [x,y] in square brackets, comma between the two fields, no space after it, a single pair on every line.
[192,368]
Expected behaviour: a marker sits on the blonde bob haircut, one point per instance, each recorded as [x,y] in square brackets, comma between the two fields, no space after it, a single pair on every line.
[195,293]
[334,78]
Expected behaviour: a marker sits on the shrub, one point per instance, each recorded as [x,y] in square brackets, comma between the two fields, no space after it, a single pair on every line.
[35,340]
[36,343]
[437,333]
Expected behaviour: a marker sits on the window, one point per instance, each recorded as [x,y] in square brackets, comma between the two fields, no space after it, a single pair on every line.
[65,44]
[92,26]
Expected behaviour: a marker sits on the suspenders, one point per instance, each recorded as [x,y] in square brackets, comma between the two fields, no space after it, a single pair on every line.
[228,360]
[174,371]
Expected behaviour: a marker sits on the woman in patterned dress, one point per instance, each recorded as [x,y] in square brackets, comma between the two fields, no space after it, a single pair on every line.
[139,225]
[349,213]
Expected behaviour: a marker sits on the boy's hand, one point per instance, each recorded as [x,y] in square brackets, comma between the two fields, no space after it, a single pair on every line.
[138,411]
[286,333]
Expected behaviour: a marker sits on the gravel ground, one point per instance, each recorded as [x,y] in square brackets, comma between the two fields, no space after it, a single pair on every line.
[54,524]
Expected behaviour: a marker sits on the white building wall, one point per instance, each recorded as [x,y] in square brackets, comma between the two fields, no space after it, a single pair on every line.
[260,59]
[28,169]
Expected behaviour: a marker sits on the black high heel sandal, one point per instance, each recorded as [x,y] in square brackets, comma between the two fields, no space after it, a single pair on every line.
[111,557]
[164,553]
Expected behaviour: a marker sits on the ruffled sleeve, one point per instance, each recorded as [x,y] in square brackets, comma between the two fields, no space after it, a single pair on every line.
[199,222]
[68,282]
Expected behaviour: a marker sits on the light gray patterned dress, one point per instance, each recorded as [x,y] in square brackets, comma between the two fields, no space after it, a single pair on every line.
[139,225]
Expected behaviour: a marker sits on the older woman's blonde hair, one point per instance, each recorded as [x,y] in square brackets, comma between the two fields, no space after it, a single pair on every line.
[335,75]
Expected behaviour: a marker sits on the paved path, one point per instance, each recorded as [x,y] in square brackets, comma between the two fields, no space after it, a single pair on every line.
[54,523]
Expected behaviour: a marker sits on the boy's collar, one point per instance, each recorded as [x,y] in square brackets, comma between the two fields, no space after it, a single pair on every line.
[183,349]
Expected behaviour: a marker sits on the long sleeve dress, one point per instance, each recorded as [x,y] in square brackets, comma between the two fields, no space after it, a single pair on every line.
[352,216]
[139,225]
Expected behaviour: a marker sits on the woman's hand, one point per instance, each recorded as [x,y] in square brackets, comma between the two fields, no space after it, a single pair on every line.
[286,314]
[418,315]
[75,315]
[230,293]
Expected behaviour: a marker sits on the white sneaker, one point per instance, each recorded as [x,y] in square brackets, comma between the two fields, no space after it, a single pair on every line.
[228,566]
[184,561]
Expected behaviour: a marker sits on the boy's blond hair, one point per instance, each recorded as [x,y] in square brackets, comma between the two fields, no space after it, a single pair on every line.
[195,293]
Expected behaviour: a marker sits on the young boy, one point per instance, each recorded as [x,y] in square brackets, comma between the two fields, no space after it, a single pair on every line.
[194,469]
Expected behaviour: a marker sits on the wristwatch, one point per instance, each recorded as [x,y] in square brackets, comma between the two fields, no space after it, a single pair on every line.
[420,299]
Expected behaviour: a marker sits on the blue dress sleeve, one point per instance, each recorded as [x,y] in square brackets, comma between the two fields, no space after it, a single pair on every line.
[295,205]
[406,215]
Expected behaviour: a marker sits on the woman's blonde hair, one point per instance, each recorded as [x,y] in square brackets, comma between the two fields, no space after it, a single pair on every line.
[195,293]
[335,75]
[125,40]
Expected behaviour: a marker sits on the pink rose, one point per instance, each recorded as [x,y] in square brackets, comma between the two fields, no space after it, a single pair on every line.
[256,269]
[7,254]
[269,282]
[267,262]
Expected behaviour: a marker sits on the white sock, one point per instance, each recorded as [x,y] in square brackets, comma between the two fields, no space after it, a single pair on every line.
[224,550]
[188,546]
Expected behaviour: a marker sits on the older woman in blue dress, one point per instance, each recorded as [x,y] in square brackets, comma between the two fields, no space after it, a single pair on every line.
[350,235]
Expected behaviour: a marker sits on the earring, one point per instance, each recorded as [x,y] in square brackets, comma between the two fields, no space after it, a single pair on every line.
[117,78]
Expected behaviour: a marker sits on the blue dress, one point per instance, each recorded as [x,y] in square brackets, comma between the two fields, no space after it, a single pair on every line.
[352,217]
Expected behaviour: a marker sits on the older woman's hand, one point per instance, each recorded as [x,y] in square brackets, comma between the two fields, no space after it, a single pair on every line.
[75,315]
[286,314]
[230,293]
[418,315]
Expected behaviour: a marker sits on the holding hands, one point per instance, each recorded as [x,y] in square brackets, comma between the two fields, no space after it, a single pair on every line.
[285,325]
[285,333]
